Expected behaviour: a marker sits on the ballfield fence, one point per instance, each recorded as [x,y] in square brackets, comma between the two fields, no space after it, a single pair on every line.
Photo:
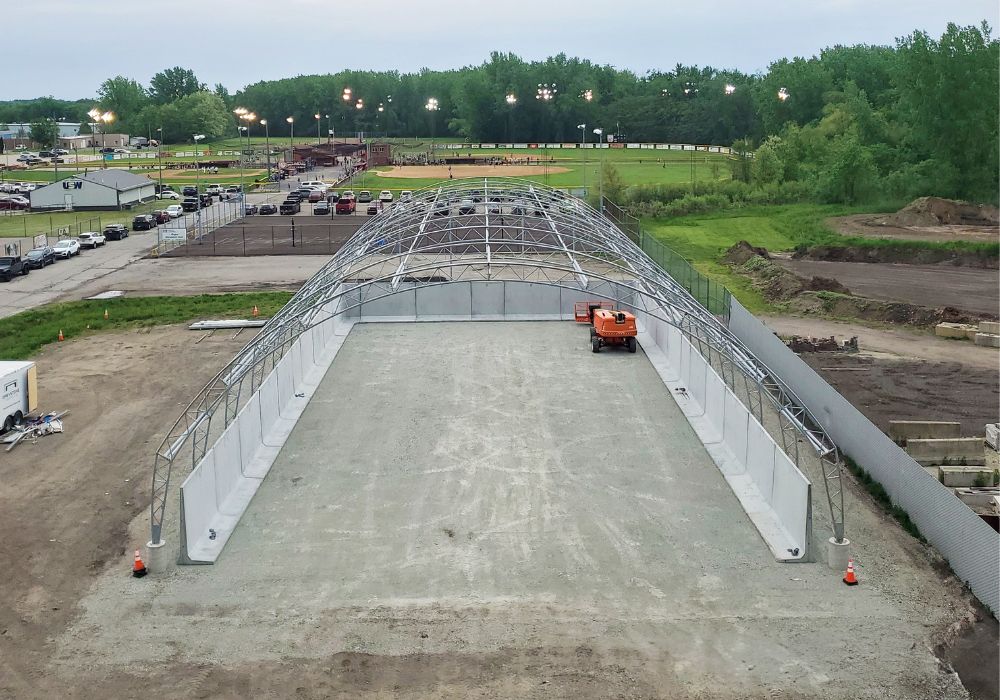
[970,545]
[707,292]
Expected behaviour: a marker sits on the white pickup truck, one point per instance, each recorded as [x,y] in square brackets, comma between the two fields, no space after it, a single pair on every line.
[18,392]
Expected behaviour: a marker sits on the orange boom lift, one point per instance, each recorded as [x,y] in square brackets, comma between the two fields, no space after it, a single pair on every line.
[608,326]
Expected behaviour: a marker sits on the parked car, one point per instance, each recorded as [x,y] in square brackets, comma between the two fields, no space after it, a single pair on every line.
[189,204]
[293,195]
[441,208]
[189,191]
[46,154]
[106,150]
[250,210]
[385,196]
[160,216]
[267,209]
[60,151]
[467,206]
[117,232]
[364,196]
[315,196]
[67,248]
[213,189]
[40,257]
[11,266]
[372,208]
[290,206]
[91,239]
[321,209]
[168,194]
[304,192]
[175,211]
[332,197]
[122,150]
[348,194]
[143,222]
[25,157]
[406,195]
[346,205]
[11,204]
[234,190]
[315,184]
[206,201]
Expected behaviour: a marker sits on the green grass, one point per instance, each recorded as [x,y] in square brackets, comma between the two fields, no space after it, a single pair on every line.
[16,225]
[23,334]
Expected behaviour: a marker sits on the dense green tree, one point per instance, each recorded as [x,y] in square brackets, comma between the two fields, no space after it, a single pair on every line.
[172,84]
[44,132]
[123,96]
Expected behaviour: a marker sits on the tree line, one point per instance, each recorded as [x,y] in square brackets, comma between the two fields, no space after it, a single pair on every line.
[851,124]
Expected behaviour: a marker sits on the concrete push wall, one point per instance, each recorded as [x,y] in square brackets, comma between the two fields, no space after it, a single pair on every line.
[902,430]
[929,453]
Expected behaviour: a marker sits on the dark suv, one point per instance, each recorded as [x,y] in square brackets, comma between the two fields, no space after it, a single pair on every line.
[10,266]
[115,232]
[143,222]
[40,257]
[190,191]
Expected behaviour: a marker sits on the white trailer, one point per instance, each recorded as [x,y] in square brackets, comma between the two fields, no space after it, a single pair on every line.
[18,392]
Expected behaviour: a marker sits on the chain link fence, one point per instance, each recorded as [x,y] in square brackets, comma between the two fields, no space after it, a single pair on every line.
[707,292]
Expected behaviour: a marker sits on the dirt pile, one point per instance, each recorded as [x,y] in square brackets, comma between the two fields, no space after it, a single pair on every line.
[905,255]
[936,211]
[773,281]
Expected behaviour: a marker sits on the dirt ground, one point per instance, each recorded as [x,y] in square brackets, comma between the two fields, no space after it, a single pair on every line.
[459,171]
[969,289]
[68,503]
[876,226]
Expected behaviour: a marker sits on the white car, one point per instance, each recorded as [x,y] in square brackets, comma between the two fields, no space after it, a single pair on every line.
[91,239]
[168,194]
[385,196]
[316,185]
[175,211]
[122,150]
[67,248]
[406,195]
[213,189]
[26,156]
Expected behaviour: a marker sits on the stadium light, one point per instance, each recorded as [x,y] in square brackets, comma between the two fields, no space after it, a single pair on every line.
[783,94]
[347,94]
[730,88]
[546,92]
[588,95]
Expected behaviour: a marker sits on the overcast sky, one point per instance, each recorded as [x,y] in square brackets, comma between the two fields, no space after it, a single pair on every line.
[67,47]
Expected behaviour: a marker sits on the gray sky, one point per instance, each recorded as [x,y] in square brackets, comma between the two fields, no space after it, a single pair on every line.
[237,42]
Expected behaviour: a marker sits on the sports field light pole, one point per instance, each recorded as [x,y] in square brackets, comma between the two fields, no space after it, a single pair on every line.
[432,107]
[319,136]
[511,100]
[360,106]
[600,136]
[267,147]
[197,181]
[159,155]
[291,136]
[583,147]
[545,94]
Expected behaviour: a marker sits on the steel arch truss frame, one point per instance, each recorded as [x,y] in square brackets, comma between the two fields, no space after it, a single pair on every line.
[487,230]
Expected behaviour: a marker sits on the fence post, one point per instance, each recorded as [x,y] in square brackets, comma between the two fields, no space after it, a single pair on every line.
[244,241]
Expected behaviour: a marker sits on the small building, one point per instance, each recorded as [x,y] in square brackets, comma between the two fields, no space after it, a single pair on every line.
[9,130]
[101,189]
[379,153]
[84,141]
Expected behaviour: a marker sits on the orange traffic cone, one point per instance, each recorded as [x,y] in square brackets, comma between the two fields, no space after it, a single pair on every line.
[138,568]
[105,314]
[256,311]
[61,336]
[849,578]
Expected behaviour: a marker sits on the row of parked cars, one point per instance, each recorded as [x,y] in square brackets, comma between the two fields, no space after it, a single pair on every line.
[13,265]
[323,198]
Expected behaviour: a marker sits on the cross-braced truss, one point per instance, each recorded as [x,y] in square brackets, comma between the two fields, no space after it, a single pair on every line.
[486,230]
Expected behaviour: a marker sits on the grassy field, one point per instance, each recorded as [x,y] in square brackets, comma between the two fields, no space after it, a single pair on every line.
[22,335]
[15,225]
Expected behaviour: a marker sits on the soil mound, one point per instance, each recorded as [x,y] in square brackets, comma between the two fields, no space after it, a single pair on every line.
[936,211]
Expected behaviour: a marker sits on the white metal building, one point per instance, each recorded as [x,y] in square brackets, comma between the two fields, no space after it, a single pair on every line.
[101,189]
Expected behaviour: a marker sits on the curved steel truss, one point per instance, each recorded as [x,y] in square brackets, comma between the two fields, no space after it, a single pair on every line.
[484,230]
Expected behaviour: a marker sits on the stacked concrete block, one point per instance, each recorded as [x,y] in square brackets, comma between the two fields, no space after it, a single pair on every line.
[902,430]
[960,331]
[950,451]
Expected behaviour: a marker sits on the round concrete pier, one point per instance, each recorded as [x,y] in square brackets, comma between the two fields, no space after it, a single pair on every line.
[837,553]
[156,554]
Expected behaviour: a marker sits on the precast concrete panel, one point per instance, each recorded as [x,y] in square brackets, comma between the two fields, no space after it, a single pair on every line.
[715,403]
[286,386]
[790,496]
[268,403]
[736,423]
[488,299]
[760,458]
[453,299]
[199,499]
[697,371]
[250,433]
[529,299]
[228,464]
[298,371]
[400,304]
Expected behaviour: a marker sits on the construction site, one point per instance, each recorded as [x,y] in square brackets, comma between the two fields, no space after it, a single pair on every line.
[488,449]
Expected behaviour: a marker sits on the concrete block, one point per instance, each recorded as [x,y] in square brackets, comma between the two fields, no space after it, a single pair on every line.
[955,330]
[987,340]
[992,327]
[902,430]
[966,476]
[950,451]
[980,497]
